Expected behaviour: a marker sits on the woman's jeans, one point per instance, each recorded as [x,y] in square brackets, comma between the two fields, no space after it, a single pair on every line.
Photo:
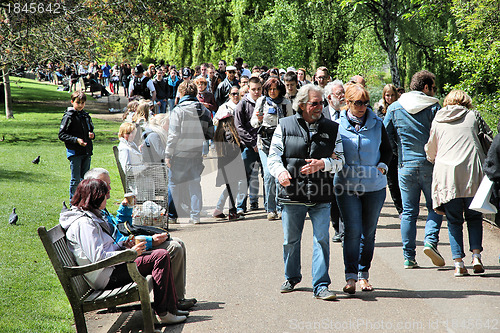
[269,185]
[455,215]
[293,218]
[79,165]
[360,213]
[412,180]
[250,158]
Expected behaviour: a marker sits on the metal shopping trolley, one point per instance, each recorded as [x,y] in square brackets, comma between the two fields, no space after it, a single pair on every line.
[149,183]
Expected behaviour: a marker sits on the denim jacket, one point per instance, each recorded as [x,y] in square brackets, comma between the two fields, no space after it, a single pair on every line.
[408,123]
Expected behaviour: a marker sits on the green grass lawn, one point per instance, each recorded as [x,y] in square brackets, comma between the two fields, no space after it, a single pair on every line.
[31,297]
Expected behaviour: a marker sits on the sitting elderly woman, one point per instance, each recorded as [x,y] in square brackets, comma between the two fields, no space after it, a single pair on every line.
[90,240]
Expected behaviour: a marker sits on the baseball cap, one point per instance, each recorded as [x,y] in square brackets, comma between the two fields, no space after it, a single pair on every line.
[230,68]
[186,72]
[139,69]
[291,69]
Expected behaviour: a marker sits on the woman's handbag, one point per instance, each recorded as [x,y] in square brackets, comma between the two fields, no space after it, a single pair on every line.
[484,134]
[481,201]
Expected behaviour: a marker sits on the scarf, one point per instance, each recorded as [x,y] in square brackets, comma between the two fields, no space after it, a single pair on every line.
[274,105]
[173,83]
[356,121]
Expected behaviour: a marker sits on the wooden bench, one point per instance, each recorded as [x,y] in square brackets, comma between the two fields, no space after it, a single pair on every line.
[81,296]
[123,177]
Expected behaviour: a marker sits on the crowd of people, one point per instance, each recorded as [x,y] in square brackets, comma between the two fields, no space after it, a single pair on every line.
[320,148]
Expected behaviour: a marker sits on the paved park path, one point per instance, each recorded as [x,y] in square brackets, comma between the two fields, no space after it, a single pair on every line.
[235,270]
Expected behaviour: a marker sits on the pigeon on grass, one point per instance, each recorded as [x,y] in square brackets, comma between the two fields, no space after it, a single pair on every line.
[36,160]
[13,217]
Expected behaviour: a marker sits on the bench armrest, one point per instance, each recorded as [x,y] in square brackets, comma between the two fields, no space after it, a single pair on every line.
[122,257]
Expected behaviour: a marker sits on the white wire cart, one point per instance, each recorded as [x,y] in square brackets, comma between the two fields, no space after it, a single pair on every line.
[149,183]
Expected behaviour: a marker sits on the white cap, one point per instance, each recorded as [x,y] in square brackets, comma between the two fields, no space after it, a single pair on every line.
[230,68]
[291,69]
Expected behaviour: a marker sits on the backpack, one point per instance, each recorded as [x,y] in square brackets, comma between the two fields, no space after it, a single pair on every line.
[149,154]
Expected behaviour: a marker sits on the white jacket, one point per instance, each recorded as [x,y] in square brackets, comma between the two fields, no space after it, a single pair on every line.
[89,242]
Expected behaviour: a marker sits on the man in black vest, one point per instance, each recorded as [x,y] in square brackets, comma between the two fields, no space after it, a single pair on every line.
[141,86]
[306,151]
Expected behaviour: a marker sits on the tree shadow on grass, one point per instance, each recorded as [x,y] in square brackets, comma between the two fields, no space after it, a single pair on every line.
[19,176]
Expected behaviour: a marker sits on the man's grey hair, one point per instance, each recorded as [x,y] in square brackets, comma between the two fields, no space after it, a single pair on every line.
[95,173]
[303,95]
[329,87]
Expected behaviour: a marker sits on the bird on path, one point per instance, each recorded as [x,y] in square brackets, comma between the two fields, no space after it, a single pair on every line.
[36,160]
[64,208]
[13,217]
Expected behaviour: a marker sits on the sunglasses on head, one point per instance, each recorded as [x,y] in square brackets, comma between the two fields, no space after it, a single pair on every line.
[315,103]
[361,103]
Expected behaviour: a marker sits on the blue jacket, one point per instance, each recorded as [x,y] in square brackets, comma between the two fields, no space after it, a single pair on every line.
[408,123]
[364,152]
[123,214]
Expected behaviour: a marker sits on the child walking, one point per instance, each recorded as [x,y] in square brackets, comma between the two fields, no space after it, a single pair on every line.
[77,132]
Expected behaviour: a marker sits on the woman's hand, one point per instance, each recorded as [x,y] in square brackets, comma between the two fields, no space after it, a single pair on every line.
[160,238]
[130,242]
[139,248]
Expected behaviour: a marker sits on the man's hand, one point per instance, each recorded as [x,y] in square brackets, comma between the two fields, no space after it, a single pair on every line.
[91,135]
[312,166]
[81,142]
[159,238]
[284,178]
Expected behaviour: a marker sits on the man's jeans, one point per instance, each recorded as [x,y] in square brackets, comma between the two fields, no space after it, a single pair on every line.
[412,180]
[455,215]
[293,217]
[250,158]
[79,165]
[186,182]
[360,213]
[163,105]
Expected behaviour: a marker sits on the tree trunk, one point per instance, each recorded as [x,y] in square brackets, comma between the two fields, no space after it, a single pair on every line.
[8,96]
[393,63]
[388,21]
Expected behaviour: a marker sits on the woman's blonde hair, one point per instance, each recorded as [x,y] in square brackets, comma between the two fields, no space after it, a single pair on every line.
[142,112]
[125,128]
[387,88]
[131,108]
[157,123]
[458,97]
